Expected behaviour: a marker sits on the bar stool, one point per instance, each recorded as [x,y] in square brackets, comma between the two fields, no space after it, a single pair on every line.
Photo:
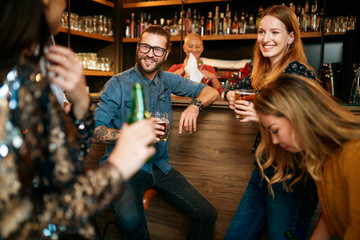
[147,198]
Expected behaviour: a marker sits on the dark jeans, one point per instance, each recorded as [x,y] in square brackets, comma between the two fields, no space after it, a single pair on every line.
[258,210]
[176,190]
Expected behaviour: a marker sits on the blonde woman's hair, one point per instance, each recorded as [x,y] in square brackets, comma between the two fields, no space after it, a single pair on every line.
[320,122]
[263,72]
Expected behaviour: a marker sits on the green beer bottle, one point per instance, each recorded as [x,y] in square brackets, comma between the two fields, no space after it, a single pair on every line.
[138,105]
[290,235]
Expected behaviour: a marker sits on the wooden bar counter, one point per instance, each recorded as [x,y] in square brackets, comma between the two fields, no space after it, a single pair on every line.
[216,159]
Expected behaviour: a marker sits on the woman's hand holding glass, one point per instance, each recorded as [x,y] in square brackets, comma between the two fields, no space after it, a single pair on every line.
[242,107]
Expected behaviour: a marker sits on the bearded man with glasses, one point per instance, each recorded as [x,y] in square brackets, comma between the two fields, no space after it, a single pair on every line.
[151,52]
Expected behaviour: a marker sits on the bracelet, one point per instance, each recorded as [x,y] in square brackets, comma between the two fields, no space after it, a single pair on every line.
[197,103]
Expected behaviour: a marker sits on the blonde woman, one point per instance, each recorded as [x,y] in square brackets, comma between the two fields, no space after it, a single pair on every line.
[278,50]
[302,126]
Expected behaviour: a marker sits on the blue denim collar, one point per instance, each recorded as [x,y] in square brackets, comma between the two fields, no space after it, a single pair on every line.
[146,81]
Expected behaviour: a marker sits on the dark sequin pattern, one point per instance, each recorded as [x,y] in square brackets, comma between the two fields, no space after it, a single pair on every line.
[43,191]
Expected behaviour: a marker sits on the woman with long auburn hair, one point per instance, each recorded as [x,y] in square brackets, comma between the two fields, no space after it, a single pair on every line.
[283,207]
[302,126]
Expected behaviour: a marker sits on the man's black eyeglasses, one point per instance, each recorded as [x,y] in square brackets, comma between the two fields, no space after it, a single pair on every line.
[145,48]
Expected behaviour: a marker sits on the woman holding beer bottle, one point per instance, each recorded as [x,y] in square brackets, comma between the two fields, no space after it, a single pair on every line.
[278,50]
[302,126]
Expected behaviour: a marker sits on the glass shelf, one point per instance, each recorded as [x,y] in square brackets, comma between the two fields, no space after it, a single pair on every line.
[87,35]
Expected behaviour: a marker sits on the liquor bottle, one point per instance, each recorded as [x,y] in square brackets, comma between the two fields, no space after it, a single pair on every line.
[137,28]
[304,24]
[142,23]
[298,13]
[292,7]
[162,23]
[202,26]
[225,25]
[228,20]
[187,23]
[307,6]
[148,21]
[174,30]
[242,25]
[216,21]
[127,28]
[221,24]
[290,235]
[251,27]
[260,13]
[145,20]
[195,23]
[355,87]
[235,24]
[138,105]
[168,25]
[181,26]
[132,26]
[209,24]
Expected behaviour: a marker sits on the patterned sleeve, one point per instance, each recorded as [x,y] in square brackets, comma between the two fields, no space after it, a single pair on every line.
[241,84]
[90,194]
[85,130]
[300,69]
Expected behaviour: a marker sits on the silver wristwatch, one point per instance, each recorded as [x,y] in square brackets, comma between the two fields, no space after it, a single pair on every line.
[197,103]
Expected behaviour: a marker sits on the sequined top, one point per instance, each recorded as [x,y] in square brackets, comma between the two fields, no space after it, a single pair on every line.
[44,192]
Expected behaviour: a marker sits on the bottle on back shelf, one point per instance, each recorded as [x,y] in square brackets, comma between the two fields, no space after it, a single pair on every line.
[227,21]
[181,26]
[221,24]
[142,23]
[260,13]
[148,21]
[216,21]
[174,29]
[209,24]
[235,24]
[127,28]
[251,26]
[187,23]
[242,24]
[202,26]
[195,23]
[132,25]
[168,25]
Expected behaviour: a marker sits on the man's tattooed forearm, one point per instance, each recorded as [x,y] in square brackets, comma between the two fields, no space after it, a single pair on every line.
[105,135]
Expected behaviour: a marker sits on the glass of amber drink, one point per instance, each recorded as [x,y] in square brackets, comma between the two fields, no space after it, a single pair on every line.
[163,121]
[246,95]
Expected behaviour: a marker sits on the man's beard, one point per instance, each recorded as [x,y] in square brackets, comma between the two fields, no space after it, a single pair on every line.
[149,70]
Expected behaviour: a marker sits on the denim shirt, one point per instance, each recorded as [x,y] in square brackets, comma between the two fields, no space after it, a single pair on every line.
[115,101]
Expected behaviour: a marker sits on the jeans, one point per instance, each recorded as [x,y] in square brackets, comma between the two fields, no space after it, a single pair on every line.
[176,190]
[258,210]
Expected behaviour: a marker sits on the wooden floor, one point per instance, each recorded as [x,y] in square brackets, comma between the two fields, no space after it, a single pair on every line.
[216,160]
